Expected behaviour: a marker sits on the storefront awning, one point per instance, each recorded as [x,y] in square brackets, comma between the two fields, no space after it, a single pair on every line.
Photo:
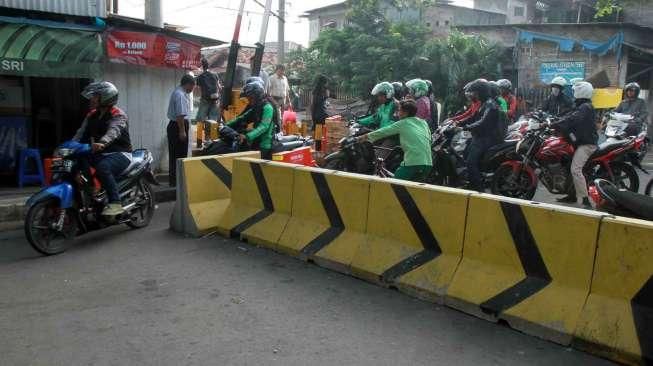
[34,50]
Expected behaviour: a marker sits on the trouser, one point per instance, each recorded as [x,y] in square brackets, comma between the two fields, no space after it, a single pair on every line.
[280,103]
[582,154]
[266,154]
[208,109]
[415,173]
[475,152]
[107,168]
[176,149]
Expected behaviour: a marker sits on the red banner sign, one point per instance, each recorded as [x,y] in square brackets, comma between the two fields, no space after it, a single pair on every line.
[152,49]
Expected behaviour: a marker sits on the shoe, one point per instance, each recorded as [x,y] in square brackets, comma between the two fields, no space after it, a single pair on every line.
[113,209]
[567,199]
[586,203]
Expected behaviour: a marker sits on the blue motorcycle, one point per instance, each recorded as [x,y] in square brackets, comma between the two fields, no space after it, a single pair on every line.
[72,205]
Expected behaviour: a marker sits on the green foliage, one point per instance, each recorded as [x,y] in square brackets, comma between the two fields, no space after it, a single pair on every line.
[607,7]
[371,49]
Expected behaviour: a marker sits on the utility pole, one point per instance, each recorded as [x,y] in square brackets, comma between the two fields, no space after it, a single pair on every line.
[260,46]
[282,24]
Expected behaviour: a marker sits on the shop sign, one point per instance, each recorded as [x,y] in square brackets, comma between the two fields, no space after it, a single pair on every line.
[152,49]
[567,69]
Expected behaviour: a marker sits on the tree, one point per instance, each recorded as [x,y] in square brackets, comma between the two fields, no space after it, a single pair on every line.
[372,49]
[607,7]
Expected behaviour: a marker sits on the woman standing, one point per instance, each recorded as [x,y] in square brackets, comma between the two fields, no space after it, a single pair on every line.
[318,108]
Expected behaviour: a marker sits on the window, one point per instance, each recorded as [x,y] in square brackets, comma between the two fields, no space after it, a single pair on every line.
[428,24]
[519,11]
[437,23]
[446,23]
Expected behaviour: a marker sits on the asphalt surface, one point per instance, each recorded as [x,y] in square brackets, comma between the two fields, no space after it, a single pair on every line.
[152,297]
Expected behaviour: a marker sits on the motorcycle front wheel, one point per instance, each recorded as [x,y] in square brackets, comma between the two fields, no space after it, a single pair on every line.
[506,183]
[623,176]
[145,206]
[40,231]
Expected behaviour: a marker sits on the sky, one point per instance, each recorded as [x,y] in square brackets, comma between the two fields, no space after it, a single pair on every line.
[217,18]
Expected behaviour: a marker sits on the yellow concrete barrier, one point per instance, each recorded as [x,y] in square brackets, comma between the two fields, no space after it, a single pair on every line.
[261,200]
[328,217]
[526,263]
[414,237]
[617,320]
[203,192]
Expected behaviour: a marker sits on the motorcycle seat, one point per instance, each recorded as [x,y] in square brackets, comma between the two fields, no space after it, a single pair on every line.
[639,204]
[609,146]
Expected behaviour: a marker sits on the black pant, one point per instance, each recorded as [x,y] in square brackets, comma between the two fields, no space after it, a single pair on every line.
[266,154]
[475,152]
[176,149]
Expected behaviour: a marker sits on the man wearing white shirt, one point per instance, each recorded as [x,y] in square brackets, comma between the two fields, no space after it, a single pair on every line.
[279,88]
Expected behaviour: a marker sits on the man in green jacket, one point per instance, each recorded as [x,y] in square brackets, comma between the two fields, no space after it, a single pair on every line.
[260,111]
[415,139]
[384,115]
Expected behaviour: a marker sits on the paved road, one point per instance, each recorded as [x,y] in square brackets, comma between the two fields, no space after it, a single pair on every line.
[151,297]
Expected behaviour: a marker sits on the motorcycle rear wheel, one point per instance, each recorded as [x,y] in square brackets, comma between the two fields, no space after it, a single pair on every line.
[624,176]
[40,233]
[143,214]
[504,184]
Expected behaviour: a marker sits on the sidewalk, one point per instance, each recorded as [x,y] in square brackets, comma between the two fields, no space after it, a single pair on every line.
[13,199]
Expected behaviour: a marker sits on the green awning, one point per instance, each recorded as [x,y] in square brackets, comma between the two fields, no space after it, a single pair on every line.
[33,50]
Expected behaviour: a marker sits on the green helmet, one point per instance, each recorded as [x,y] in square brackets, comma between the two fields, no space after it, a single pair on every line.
[418,87]
[384,88]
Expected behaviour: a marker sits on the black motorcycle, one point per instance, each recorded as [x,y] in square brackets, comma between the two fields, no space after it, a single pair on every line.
[73,204]
[229,142]
[619,201]
[364,158]
[449,167]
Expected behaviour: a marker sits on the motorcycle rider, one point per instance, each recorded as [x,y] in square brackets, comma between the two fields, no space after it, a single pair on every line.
[106,128]
[580,127]
[418,90]
[634,106]
[558,103]
[263,113]
[471,111]
[399,90]
[384,115]
[484,127]
[435,116]
[505,87]
[415,139]
[502,125]
[496,94]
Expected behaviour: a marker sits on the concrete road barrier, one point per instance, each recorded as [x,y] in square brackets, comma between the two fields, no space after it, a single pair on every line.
[526,263]
[414,237]
[203,192]
[617,320]
[261,201]
[328,218]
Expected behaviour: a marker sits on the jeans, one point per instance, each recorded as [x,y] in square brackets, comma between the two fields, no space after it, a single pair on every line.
[476,149]
[208,109]
[582,154]
[107,168]
[176,150]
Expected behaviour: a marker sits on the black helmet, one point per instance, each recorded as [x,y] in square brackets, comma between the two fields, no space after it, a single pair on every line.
[633,86]
[494,89]
[399,89]
[480,86]
[254,90]
[108,92]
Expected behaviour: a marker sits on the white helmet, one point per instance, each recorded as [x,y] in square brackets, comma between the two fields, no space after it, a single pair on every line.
[559,81]
[575,80]
[583,90]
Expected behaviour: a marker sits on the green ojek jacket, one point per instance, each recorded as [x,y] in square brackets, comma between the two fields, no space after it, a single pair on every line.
[414,137]
[383,116]
[263,129]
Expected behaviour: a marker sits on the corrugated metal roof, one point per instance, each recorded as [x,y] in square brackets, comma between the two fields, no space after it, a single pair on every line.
[89,8]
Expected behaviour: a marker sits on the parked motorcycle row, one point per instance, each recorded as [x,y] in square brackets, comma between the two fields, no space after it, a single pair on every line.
[534,151]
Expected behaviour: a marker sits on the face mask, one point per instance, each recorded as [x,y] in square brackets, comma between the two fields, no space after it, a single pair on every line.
[555,92]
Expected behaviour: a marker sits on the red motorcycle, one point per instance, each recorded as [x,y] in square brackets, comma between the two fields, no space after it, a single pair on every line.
[547,156]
